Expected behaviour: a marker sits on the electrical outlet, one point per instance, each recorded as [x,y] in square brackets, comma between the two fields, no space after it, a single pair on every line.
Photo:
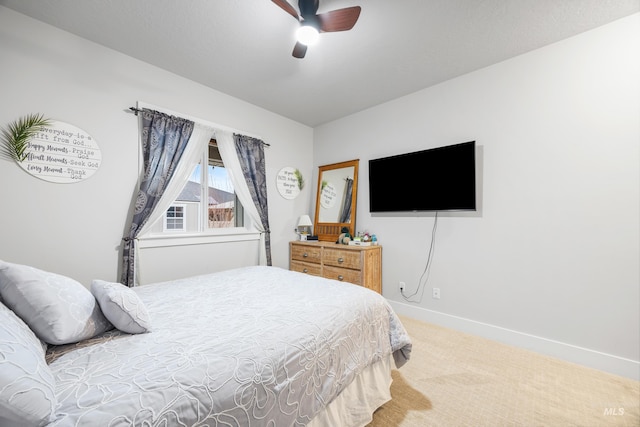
[401,285]
[436,293]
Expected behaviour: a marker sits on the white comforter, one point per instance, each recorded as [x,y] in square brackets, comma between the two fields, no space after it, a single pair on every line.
[259,346]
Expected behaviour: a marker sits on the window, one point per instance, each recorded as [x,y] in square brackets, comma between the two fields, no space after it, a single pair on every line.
[174,218]
[223,209]
[207,201]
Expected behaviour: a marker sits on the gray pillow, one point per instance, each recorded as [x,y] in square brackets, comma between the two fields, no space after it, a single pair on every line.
[122,306]
[58,309]
[27,385]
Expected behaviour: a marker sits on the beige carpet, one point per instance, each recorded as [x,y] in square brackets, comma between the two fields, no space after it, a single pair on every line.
[455,379]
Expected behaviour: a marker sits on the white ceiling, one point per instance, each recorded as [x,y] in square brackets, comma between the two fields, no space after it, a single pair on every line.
[243,47]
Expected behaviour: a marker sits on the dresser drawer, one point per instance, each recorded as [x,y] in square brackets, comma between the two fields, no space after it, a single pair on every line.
[360,265]
[306,253]
[306,267]
[342,258]
[342,274]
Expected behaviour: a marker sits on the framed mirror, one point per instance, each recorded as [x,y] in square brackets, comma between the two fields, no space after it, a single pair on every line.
[336,199]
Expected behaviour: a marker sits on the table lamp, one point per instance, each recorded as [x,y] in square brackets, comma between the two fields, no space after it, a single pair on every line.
[304,226]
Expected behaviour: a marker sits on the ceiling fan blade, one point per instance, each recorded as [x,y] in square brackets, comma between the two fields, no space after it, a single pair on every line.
[339,20]
[284,5]
[299,50]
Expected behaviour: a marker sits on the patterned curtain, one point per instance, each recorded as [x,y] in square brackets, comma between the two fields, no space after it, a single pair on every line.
[164,139]
[251,156]
[345,216]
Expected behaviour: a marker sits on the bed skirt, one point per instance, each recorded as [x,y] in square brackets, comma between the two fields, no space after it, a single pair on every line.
[355,405]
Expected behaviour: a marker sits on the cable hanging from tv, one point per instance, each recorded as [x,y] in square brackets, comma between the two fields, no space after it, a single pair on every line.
[424,278]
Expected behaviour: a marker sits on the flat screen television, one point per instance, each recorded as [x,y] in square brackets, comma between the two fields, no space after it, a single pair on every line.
[437,179]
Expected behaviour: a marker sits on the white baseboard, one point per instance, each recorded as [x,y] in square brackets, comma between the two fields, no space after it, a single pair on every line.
[570,353]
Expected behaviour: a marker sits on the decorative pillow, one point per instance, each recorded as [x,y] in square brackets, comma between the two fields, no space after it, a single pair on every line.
[122,306]
[27,385]
[58,309]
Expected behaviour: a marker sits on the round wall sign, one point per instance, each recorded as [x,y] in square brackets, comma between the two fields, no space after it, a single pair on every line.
[288,183]
[62,153]
[328,196]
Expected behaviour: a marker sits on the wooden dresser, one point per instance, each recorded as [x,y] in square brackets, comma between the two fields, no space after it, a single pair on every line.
[361,265]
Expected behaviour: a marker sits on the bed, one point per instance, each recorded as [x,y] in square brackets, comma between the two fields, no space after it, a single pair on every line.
[256,346]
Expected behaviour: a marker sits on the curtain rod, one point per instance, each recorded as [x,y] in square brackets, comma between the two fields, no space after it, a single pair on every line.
[138,110]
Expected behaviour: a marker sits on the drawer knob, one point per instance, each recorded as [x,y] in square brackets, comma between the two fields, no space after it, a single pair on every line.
[340,259]
[304,255]
[305,270]
[341,277]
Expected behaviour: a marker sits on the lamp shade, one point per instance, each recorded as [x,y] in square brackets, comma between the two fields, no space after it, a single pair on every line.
[304,221]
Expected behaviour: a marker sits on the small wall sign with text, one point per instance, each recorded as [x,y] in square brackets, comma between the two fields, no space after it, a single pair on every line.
[62,153]
[289,182]
[328,195]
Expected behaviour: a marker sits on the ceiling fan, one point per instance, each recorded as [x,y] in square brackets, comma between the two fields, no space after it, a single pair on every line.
[312,23]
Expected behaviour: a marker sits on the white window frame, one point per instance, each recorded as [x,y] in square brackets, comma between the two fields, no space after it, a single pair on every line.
[166,219]
[209,236]
[204,195]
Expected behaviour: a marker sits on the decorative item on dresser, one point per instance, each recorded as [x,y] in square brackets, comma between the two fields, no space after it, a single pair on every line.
[361,265]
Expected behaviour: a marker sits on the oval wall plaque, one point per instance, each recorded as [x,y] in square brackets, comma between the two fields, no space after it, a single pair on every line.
[62,153]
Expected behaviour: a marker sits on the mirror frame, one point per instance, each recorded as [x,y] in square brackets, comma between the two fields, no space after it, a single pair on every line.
[329,231]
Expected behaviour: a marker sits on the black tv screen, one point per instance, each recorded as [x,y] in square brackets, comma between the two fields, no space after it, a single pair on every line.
[437,179]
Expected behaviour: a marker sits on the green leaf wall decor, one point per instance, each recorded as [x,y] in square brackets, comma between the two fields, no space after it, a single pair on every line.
[15,139]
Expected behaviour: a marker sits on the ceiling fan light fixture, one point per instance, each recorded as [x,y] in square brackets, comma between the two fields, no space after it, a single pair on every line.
[312,23]
[307,35]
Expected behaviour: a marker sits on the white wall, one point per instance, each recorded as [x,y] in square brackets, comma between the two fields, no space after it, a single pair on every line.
[76,229]
[552,253]
[551,259]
